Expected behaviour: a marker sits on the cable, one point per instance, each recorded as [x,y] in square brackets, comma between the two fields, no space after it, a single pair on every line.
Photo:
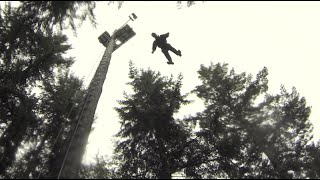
[69,145]
[72,107]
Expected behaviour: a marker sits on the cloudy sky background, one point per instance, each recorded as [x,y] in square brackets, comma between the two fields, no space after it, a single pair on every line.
[283,36]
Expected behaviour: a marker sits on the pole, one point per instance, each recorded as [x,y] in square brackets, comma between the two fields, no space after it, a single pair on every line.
[72,160]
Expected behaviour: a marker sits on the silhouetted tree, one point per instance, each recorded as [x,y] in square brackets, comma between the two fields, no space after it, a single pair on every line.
[60,99]
[61,14]
[276,127]
[311,162]
[27,56]
[103,168]
[291,131]
[151,143]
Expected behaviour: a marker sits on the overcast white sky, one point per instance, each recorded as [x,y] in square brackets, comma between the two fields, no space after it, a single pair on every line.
[283,36]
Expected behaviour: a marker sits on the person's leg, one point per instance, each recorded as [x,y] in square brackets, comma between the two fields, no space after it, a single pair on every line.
[166,53]
[177,52]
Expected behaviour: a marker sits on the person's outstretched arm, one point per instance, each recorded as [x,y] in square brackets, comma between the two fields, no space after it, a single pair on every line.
[166,35]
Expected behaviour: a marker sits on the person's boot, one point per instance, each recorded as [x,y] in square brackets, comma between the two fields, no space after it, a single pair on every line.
[170,62]
[179,53]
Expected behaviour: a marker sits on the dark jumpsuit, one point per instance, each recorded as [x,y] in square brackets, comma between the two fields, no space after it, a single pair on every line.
[161,42]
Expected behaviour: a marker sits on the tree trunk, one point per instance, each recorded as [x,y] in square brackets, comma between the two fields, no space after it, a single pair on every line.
[164,172]
[264,147]
[71,165]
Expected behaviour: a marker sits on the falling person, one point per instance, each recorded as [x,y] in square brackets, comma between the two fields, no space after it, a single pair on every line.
[161,42]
